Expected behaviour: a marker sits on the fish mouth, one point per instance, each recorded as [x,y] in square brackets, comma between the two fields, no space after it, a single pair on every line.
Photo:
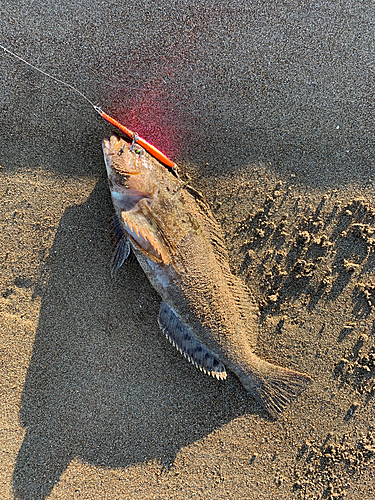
[110,147]
[106,146]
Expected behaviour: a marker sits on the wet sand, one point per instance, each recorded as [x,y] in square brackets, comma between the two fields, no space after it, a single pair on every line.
[269,110]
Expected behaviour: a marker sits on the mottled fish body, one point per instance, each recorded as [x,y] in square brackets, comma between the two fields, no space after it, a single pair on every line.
[207,313]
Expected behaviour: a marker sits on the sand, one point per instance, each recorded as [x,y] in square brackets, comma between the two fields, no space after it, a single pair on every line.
[269,110]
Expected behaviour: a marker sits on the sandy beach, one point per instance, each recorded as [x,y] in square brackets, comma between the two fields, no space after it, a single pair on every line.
[269,111]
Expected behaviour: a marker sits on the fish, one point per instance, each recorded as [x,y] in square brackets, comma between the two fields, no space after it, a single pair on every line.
[206,312]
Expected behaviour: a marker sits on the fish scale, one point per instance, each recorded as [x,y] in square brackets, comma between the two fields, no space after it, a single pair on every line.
[207,313]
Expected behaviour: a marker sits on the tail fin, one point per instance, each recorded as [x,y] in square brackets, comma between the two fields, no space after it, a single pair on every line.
[272,386]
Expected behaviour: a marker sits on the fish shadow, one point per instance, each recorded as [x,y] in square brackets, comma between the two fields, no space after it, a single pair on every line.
[103,384]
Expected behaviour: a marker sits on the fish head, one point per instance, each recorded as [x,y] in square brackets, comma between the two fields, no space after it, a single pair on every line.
[138,182]
[133,174]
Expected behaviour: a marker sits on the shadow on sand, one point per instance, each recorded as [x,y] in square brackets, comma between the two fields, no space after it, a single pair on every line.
[103,384]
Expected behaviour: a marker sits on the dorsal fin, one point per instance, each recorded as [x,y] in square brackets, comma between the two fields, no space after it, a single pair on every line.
[240,292]
[212,229]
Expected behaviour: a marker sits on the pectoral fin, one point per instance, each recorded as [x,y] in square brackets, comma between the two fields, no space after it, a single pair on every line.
[179,335]
[147,235]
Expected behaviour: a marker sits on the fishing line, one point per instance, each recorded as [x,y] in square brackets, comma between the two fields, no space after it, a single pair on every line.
[50,76]
[142,142]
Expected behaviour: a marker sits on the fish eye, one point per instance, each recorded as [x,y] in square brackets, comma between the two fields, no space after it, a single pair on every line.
[138,151]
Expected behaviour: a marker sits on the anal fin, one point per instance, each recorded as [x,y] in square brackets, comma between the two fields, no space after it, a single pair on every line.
[179,335]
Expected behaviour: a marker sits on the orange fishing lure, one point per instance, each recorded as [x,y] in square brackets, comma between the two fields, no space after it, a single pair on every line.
[139,140]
